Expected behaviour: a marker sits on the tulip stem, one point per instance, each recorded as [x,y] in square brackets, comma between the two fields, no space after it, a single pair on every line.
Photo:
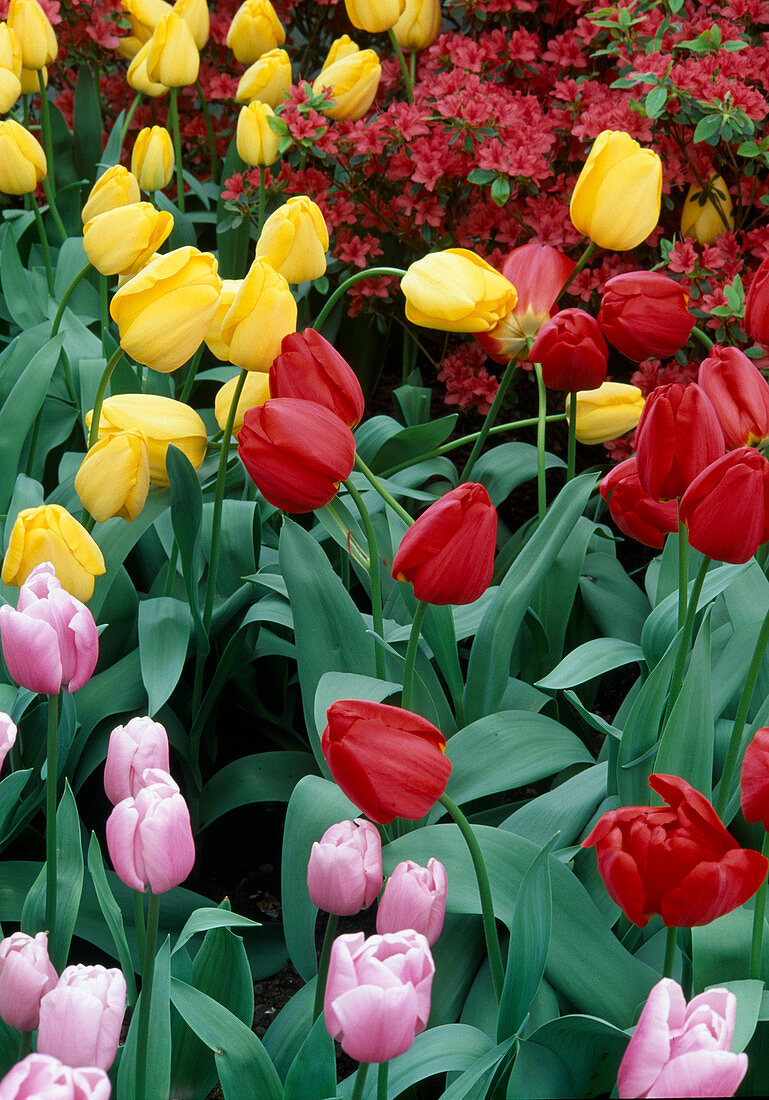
[325,958]
[491,416]
[759,909]
[484,889]
[93,435]
[209,131]
[381,1081]
[51,783]
[407,78]
[571,454]
[411,655]
[45,123]
[686,637]
[373,572]
[683,570]
[139,923]
[145,1000]
[25,1045]
[171,574]
[127,122]
[262,200]
[360,1081]
[541,416]
[189,380]
[703,338]
[104,312]
[670,952]
[67,295]
[54,209]
[173,117]
[384,494]
[43,244]
[586,255]
[367,273]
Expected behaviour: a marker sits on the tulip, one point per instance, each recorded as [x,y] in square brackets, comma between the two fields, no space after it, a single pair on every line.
[339,48]
[152,159]
[161,421]
[419,24]
[8,733]
[40,1077]
[10,50]
[616,199]
[138,77]
[80,1019]
[352,81]
[572,351]
[388,761]
[448,554]
[262,312]
[754,781]
[374,16]
[267,80]
[682,1050]
[610,411]
[115,187]
[456,291]
[636,513]
[296,453]
[145,16]
[701,217]
[414,897]
[129,46]
[22,160]
[50,534]
[678,860]
[740,395]
[34,32]
[256,391]
[114,477]
[132,749]
[344,873]
[254,31]
[310,368]
[756,322]
[164,312]
[173,57]
[295,240]
[257,142]
[149,837]
[213,338]
[726,507]
[195,15]
[378,993]
[678,436]
[30,81]
[26,975]
[643,314]
[124,239]
[10,89]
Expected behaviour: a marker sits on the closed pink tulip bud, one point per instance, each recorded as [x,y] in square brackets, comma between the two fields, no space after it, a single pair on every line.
[149,837]
[740,395]
[344,873]
[80,1019]
[414,897]
[7,735]
[310,368]
[40,1077]
[378,993]
[133,748]
[681,1049]
[572,351]
[26,975]
[50,640]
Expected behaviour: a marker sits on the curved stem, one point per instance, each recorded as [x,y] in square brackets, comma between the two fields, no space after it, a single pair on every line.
[43,244]
[411,655]
[683,571]
[93,434]
[131,112]
[381,1083]
[686,637]
[325,956]
[54,209]
[670,952]
[759,909]
[491,416]
[173,118]
[45,124]
[703,338]
[571,454]
[67,295]
[407,77]
[51,783]
[541,414]
[386,496]
[145,1001]
[368,273]
[586,255]
[209,131]
[192,370]
[262,199]
[360,1081]
[373,572]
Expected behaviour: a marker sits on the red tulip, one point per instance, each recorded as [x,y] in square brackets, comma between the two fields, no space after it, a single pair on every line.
[636,513]
[740,395]
[679,861]
[388,761]
[572,352]
[678,435]
[757,306]
[754,780]
[448,554]
[296,452]
[644,314]
[726,508]
[310,368]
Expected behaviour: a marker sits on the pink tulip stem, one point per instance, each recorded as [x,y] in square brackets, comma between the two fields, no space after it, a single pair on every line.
[51,777]
[541,426]
[571,455]
[93,435]
[411,655]
[586,255]
[381,1081]
[145,1000]
[173,118]
[703,338]
[683,571]
[43,244]
[325,956]
[374,578]
[759,909]
[670,952]
[360,1081]
[491,416]
[386,496]
[408,79]
[367,273]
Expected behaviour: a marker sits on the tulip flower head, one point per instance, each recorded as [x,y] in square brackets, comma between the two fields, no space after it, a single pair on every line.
[456,291]
[414,897]
[10,84]
[678,436]
[50,534]
[138,77]
[572,351]
[81,1017]
[132,749]
[644,314]
[351,81]
[257,142]
[295,240]
[374,16]
[419,24]
[195,15]
[39,1076]
[22,160]
[635,512]
[256,391]
[8,733]
[126,238]
[344,872]
[267,80]
[339,48]
[707,211]
[26,975]
[173,58]
[145,15]
[754,779]
[115,187]
[114,477]
[152,159]
[10,50]
[310,368]
[254,31]
[739,393]
[726,507]
[263,311]
[35,34]
[756,322]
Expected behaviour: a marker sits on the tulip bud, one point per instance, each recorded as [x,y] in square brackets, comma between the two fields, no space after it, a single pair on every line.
[340,47]
[572,351]
[114,477]
[344,873]
[678,436]
[754,779]
[133,748]
[414,897]
[701,217]
[30,81]
[129,46]
[262,312]
[26,975]
[256,391]
[739,394]
[123,239]
[757,306]
[152,160]
[726,507]
[149,837]
[10,89]
[35,33]
[352,81]
[8,733]
[173,57]
[138,77]
[80,1019]
[115,187]
[50,534]
[616,199]
[268,79]
[22,160]
[213,338]
[257,142]
[295,240]
[456,291]
[610,411]
[419,24]
[145,16]
[310,368]
[10,50]
[40,1077]
[254,31]
[644,314]
[636,513]
[374,16]
[195,15]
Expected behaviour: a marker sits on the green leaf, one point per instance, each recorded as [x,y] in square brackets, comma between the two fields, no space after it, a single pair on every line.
[538,1074]
[590,1048]
[749,994]
[500,190]
[186,512]
[10,793]
[112,914]
[635,759]
[264,777]
[232,244]
[502,469]
[567,808]
[707,129]
[87,123]
[655,101]
[164,626]
[313,1072]
[686,747]
[204,919]
[17,285]
[591,659]
[412,442]
[614,602]
[481,1072]
[158,1079]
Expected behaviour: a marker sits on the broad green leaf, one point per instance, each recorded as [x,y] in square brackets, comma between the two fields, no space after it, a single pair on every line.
[686,746]
[164,626]
[502,469]
[313,1072]
[614,602]
[285,1035]
[87,122]
[538,1074]
[567,808]
[204,919]
[635,759]
[591,659]
[264,777]
[186,512]
[159,1041]
[482,1071]
[559,588]
[10,793]
[19,295]
[232,244]
[410,443]
[113,917]
[589,1047]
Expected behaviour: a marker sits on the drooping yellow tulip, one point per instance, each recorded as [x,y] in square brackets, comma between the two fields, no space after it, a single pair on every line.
[456,291]
[610,411]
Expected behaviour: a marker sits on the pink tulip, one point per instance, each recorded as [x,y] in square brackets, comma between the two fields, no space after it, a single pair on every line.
[50,640]
[344,873]
[133,748]
[26,975]
[150,837]
[80,1019]
[378,993]
[414,897]
[7,736]
[40,1077]
[683,1050]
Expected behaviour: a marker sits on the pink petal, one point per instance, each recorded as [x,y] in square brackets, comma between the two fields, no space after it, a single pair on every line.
[701,1073]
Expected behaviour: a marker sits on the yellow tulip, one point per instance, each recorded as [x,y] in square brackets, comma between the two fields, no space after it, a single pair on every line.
[701,218]
[22,160]
[10,89]
[145,16]
[129,46]
[163,313]
[114,477]
[124,276]
[152,159]
[419,25]
[30,81]
[115,187]
[340,47]
[254,30]
[257,142]
[137,74]
[123,239]
[10,49]
[161,421]
[195,15]
[35,33]
[267,80]
[616,200]
[213,339]
[262,313]
[374,15]
[353,81]
[295,240]
[50,533]
[610,411]
[256,391]
[173,57]
[456,291]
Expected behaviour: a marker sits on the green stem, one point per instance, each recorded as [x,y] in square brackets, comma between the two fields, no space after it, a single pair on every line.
[759,909]
[262,199]
[589,250]
[173,118]
[491,416]
[541,415]
[683,571]
[145,1001]
[411,655]
[104,312]
[374,578]
[381,1083]
[209,132]
[43,244]
[141,934]
[368,273]
[48,189]
[484,889]
[670,952]
[686,637]
[25,1045]
[67,295]
[360,1081]
[387,497]
[171,574]
[93,435]
[571,455]
[413,67]
[703,338]
[45,124]
[407,78]
[192,370]
[51,784]
[131,112]
[325,957]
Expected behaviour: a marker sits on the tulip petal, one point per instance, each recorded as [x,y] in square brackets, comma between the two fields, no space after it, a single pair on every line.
[377,1024]
[31,651]
[649,1049]
[701,1073]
